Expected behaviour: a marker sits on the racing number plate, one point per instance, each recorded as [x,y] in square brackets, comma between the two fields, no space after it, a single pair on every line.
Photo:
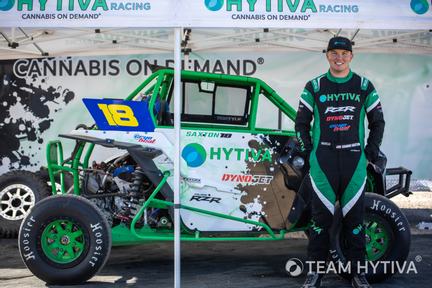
[120,115]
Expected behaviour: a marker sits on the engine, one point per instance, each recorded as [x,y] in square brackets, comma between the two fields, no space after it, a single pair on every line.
[119,188]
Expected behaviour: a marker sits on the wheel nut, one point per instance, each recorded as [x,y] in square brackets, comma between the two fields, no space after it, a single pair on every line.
[64,240]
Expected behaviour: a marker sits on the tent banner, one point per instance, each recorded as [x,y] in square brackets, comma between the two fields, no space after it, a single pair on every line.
[364,14]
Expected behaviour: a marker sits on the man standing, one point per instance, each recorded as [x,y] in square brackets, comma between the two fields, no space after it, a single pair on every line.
[338,102]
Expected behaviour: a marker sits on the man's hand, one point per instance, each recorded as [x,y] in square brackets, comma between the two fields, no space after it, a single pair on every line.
[371,153]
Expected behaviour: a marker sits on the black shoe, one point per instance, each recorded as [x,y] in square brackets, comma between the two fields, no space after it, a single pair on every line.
[313,280]
[360,281]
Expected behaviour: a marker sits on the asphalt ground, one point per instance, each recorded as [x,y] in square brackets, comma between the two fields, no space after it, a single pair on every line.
[227,264]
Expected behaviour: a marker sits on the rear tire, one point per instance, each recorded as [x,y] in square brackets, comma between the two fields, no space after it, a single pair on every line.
[65,239]
[388,237]
[68,178]
[19,192]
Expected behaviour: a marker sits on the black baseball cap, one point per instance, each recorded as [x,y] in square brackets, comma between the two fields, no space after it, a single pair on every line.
[339,43]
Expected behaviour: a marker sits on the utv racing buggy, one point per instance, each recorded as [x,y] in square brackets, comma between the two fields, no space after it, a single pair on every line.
[238,175]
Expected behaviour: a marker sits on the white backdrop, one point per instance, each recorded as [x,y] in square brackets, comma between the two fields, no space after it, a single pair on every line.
[403,83]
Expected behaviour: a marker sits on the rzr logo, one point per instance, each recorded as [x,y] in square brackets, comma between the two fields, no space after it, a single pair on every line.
[340,109]
[203,197]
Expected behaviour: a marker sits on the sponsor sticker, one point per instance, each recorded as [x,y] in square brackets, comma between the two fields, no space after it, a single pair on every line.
[332,109]
[241,178]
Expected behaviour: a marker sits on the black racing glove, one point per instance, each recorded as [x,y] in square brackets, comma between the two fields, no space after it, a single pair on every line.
[371,153]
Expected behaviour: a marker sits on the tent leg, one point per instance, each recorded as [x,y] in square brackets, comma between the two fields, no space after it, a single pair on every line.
[177,105]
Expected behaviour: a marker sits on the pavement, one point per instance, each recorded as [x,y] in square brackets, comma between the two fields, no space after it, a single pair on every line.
[228,264]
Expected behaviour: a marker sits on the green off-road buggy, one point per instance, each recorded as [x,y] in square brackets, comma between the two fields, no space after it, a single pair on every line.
[240,172]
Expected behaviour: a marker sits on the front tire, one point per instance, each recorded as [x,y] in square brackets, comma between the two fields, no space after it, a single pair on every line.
[64,240]
[388,237]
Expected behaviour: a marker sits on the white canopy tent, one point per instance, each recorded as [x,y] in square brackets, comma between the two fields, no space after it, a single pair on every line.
[289,25]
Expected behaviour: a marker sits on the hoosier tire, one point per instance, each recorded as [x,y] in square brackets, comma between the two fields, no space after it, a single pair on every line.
[68,178]
[388,237]
[64,240]
[19,192]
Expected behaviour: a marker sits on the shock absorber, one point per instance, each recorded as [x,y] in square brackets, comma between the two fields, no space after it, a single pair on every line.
[132,203]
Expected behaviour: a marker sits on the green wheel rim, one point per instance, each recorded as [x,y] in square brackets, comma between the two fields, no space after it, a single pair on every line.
[62,241]
[377,239]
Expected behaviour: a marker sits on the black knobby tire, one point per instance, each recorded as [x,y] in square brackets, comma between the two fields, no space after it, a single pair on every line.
[68,178]
[47,223]
[388,219]
[19,192]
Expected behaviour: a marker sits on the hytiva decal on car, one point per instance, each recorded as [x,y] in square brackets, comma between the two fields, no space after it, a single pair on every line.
[208,134]
[256,155]
[340,109]
[259,179]
[195,154]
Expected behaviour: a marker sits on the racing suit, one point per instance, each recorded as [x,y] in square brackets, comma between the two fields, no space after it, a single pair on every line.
[338,155]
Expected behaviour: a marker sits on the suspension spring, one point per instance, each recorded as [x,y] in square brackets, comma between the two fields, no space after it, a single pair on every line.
[132,204]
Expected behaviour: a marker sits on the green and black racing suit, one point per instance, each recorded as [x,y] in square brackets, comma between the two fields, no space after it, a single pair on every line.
[338,155]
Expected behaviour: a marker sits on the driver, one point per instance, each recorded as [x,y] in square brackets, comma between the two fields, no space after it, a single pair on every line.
[338,102]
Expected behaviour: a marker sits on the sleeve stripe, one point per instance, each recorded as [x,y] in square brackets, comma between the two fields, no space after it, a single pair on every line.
[306,104]
[372,106]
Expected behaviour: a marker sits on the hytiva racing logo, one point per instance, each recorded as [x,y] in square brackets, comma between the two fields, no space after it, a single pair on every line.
[420,6]
[252,5]
[194,154]
[74,5]
[6,5]
[214,5]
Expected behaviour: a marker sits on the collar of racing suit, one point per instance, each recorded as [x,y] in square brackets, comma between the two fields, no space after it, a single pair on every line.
[339,80]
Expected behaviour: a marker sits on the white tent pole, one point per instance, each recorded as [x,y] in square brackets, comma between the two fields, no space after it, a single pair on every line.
[177,105]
